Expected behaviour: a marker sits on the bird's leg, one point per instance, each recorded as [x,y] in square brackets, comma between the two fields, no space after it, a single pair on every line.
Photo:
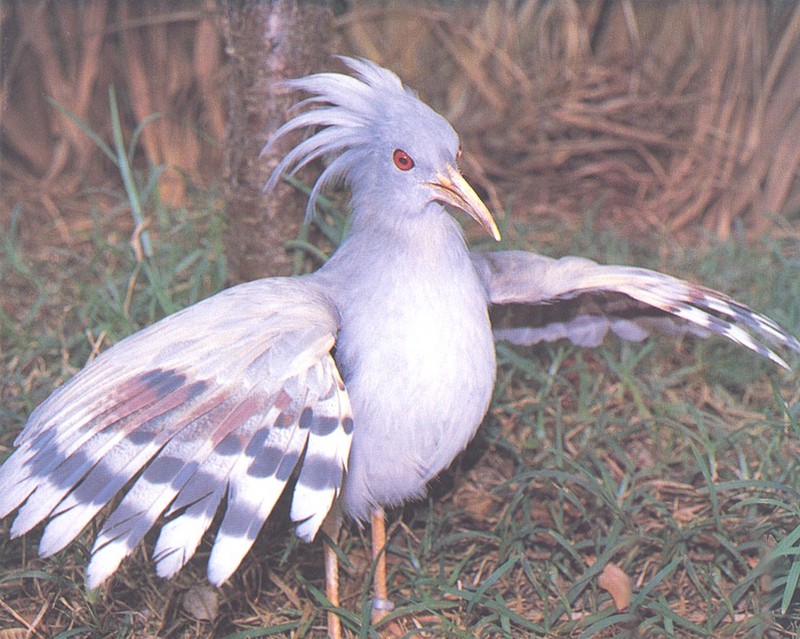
[380,602]
[332,591]
[331,527]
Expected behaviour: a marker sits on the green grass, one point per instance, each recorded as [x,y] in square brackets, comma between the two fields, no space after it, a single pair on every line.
[677,461]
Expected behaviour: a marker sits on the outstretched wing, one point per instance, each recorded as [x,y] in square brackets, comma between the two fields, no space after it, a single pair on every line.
[536,298]
[220,400]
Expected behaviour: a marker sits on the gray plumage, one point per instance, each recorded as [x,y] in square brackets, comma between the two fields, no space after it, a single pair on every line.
[226,399]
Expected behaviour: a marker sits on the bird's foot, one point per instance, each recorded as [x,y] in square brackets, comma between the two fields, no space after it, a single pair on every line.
[380,608]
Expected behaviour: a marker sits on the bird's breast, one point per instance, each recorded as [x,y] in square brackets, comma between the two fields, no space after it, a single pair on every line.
[417,355]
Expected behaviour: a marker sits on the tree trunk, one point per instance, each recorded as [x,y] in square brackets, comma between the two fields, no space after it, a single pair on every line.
[266,41]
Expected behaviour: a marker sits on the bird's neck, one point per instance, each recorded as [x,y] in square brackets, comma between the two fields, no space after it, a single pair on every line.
[426,252]
[431,234]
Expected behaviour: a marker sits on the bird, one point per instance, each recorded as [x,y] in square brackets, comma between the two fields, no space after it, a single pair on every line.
[352,386]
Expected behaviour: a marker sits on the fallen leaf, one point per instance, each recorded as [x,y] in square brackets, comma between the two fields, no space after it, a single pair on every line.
[617,584]
[202,602]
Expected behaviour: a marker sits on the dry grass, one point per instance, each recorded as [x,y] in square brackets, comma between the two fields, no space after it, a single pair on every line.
[677,115]
[165,58]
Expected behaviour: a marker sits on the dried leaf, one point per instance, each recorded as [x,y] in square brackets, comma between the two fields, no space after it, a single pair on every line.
[617,584]
[202,602]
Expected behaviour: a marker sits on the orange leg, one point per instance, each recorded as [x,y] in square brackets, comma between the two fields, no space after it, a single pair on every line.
[331,528]
[380,603]
[332,591]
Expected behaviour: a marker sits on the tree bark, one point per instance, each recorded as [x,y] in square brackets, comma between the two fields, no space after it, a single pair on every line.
[267,41]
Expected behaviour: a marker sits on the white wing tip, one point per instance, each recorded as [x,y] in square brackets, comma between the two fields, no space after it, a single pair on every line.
[55,539]
[23,523]
[226,555]
[104,563]
[169,565]
[309,509]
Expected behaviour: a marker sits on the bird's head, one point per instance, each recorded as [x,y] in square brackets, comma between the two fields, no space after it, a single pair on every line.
[392,149]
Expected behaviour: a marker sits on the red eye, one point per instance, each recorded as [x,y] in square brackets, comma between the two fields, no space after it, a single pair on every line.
[402,160]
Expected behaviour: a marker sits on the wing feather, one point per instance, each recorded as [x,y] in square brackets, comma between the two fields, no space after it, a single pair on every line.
[536,298]
[330,426]
[207,404]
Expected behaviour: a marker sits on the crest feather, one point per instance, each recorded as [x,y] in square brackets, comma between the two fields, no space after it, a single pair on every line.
[346,110]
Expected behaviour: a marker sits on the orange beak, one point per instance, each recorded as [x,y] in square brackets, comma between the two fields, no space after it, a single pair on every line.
[451,188]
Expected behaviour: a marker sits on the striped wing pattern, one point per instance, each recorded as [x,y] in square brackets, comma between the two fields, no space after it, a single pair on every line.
[219,402]
[536,298]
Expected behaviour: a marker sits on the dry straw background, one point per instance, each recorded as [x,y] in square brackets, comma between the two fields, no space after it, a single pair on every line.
[672,114]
